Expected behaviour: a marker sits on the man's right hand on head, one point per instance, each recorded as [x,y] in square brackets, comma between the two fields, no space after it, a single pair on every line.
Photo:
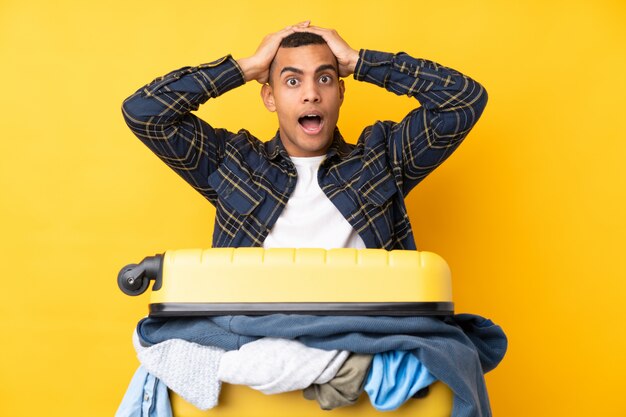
[256,67]
[347,57]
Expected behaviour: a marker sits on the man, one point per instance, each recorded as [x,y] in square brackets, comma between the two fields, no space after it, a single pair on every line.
[307,187]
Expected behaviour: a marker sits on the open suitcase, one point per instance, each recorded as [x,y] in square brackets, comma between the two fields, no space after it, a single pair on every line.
[256,281]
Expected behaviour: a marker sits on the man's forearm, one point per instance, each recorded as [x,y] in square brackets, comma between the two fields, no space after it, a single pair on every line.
[249,69]
[451,104]
[438,88]
[160,115]
[170,97]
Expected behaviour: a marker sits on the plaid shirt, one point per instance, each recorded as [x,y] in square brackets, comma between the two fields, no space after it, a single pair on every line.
[250,181]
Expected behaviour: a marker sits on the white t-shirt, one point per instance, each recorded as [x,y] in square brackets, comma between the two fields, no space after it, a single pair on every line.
[310,220]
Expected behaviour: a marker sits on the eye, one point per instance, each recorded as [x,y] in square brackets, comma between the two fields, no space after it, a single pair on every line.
[325,79]
[292,82]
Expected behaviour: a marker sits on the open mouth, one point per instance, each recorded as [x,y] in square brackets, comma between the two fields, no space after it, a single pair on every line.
[311,123]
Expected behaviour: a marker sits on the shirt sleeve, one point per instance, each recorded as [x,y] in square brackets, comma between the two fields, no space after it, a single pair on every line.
[159,114]
[451,104]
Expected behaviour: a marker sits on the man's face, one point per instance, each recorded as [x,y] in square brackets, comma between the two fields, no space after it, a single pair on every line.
[306,93]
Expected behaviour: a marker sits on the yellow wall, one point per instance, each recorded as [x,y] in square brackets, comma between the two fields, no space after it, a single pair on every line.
[529,212]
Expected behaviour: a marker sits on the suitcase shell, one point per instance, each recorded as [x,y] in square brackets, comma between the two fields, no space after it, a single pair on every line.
[305,281]
[216,281]
[242,401]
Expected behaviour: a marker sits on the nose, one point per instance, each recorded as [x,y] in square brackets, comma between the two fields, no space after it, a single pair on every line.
[310,93]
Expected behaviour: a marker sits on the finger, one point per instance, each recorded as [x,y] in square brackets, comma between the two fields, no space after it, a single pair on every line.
[282,33]
[315,29]
[290,28]
[327,34]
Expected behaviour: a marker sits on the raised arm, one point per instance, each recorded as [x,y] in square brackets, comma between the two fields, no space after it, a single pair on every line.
[451,104]
[159,114]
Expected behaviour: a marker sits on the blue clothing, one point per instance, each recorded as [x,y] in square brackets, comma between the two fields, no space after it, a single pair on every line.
[395,377]
[146,396]
[250,181]
[457,350]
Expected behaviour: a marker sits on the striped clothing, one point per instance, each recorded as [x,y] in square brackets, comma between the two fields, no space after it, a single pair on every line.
[250,181]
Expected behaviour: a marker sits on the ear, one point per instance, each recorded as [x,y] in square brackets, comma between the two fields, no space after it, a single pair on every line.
[267,94]
[342,90]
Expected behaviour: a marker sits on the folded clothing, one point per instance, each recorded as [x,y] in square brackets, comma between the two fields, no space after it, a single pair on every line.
[273,365]
[394,378]
[188,369]
[345,388]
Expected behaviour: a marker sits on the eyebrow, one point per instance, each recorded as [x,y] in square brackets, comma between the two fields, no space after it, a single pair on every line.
[299,71]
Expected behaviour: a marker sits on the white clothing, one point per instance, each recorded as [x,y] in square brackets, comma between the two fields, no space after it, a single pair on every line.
[188,369]
[272,365]
[310,219]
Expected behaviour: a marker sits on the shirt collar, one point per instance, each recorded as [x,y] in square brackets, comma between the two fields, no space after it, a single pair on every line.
[338,146]
[275,147]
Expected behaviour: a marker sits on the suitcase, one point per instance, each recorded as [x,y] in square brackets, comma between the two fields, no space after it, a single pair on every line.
[256,281]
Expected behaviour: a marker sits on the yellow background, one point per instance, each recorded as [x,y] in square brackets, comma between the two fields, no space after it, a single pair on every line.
[529,212]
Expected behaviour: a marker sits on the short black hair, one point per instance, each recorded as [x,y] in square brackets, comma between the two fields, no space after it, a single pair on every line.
[295,40]
[301,39]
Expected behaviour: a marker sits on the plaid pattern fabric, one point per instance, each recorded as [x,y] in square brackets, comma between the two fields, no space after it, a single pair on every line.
[250,181]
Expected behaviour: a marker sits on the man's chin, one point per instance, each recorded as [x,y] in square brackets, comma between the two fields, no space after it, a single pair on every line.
[306,145]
